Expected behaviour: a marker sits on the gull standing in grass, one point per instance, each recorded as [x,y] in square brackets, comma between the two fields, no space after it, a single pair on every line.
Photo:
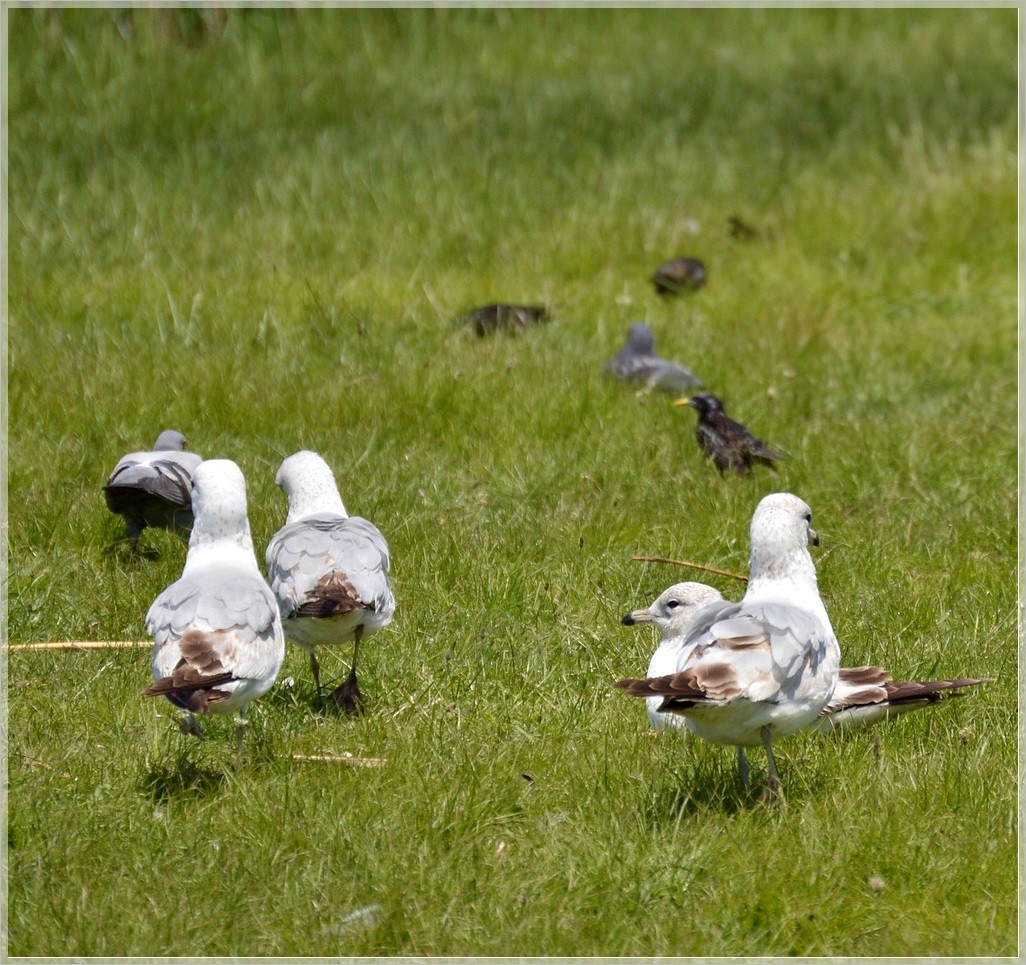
[755,671]
[637,362]
[863,696]
[218,636]
[153,488]
[328,570]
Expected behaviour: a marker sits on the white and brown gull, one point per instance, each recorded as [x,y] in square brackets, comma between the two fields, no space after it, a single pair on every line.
[762,669]
[863,695]
[218,640]
[154,488]
[328,570]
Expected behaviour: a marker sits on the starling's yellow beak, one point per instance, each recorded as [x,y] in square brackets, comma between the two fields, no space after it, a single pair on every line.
[684,400]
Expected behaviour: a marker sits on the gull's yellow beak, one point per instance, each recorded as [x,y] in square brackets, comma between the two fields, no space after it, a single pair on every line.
[637,616]
[684,400]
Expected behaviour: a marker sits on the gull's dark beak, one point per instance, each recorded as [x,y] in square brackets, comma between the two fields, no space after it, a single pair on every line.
[813,537]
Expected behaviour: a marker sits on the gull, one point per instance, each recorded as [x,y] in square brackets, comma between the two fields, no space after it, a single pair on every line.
[863,695]
[152,488]
[328,570]
[678,275]
[762,669]
[672,613]
[218,640]
[728,443]
[637,361]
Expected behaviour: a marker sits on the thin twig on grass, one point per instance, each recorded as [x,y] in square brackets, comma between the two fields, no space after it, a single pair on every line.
[694,566]
[81,645]
[342,759]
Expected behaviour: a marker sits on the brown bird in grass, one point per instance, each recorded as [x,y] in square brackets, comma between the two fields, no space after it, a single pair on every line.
[728,443]
[741,229]
[678,275]
[507,318]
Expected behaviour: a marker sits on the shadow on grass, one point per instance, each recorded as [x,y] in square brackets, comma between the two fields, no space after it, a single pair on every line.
[298,697]
[178,774]
[121,551]
[708,784]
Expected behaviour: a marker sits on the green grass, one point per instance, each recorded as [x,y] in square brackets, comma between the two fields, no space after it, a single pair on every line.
[261,234]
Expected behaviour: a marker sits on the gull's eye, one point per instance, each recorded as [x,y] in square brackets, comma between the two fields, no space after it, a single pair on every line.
[672,604]
[808,517]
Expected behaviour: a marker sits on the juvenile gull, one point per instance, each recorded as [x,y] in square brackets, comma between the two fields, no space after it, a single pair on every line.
[728,443]
[637,361]
[863,696]
[217,631]
[153,488]
[764,668]
[328,570]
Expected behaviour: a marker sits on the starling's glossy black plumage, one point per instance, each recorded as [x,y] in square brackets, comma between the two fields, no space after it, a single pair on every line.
[501,317]
[678,275]
[728,443]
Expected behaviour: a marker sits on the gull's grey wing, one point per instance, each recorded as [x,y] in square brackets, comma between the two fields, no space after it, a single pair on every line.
[234,610]
[756,652]
[303,554]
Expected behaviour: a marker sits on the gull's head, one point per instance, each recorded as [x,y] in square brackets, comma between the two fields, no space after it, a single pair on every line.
[219,505]
[170,440]
[640,339]
[309,484]
[675,608]
[705,402]
[781,533]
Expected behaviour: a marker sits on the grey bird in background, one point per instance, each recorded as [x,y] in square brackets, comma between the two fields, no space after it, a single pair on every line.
[728,443]
[328,570]
[863,695]
[755,671]
[218,640]
[637,361]
[678,275]
[154,488]
[504,318]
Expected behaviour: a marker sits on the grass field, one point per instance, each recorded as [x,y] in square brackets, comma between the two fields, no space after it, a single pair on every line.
[259,230]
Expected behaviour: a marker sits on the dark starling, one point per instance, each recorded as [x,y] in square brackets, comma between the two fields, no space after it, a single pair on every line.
[678,275]
[154,488]
[507,318]
[637,362]
[740,229]
[728,443]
